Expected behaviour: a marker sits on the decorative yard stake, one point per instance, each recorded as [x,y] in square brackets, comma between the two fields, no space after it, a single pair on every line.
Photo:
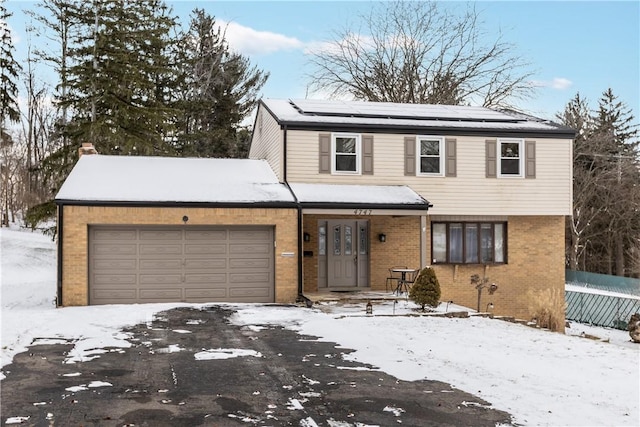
[480,284]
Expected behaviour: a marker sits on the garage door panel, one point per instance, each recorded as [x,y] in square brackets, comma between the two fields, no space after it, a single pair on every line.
[160,295]
[115,249]
[160,264]
[114,264]
[115,296]
[249,248]
[249,263]
[181,263]
[160,279]
[115,234]
[249,292]
[160,249]
[205,264]
[236,278]
[170,235]
[205,294]
[250,235]
[208,235]
[192,249]
[214,278]
[113,279]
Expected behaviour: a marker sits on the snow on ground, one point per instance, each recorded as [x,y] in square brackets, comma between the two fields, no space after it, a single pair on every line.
[539,377]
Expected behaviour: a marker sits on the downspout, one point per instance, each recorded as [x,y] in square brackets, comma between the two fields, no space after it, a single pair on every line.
[60,234]
[301,297]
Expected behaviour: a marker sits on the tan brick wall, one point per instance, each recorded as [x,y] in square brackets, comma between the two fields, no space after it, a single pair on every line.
[78,218]
[535,265]
[402,247]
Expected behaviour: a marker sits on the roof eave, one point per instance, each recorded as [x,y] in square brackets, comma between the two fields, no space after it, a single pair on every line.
[350,205]
[177,204]
[560,132]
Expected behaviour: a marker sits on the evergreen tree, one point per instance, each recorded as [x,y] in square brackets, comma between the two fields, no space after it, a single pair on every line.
[604,230]
[9,69]
[615,127]
[118,80]
[426,289]
[219,89]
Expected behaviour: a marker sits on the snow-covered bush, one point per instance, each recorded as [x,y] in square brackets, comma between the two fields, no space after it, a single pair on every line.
[426,289]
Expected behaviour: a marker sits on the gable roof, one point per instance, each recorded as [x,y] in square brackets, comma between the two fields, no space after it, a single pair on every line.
[102,179]
[339,115]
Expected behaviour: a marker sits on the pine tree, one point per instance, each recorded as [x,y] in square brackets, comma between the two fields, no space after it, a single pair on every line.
[9,69]
[615,126]
[118,81]
[219,87]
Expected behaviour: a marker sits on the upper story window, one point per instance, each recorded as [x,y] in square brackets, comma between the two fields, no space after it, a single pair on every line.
[430,157]
[345,153]
[511,157]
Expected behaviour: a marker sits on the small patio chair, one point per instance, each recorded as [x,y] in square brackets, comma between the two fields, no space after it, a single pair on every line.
[393,277]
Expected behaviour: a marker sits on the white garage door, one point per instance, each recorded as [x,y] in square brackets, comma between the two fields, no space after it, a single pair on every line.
[138,264]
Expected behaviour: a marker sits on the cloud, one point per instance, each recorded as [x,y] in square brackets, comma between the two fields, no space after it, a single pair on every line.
[248,41]
[557,83]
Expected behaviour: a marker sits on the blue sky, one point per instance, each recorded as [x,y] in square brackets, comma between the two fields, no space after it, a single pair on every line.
[573,46]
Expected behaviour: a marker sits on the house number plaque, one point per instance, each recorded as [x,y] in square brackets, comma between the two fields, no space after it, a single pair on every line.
[362,211]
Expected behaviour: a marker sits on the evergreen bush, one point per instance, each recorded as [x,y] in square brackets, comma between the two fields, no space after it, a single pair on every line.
[426,289]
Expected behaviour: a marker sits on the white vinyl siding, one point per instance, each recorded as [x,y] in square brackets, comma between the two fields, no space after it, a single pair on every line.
[267,142]
[470,192]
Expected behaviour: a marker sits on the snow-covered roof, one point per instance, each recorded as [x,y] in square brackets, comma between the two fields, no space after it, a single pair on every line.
[102,178]
[396,116]
[365,195]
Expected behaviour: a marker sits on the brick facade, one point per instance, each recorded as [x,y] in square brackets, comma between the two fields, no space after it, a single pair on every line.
[535,248]
[402,246]
[76,221]
[535,261]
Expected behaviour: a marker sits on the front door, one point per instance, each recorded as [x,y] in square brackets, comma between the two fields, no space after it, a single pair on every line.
[347,253]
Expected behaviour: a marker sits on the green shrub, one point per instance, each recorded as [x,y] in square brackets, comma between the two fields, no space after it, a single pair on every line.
[426,289]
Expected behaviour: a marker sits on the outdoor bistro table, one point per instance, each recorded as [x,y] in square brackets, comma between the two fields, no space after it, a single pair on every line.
[403,279]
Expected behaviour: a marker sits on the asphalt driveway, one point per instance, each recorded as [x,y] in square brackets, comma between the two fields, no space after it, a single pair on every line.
[193,368]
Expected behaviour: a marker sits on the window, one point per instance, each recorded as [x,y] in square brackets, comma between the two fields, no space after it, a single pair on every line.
[430,155]
[345,153]
[468,243]
[511,157]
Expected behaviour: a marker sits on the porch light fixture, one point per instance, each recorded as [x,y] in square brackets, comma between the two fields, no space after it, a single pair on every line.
[185,219]
[306,237]
[382,237]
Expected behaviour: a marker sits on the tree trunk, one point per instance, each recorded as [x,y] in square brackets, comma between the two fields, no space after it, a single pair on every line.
[620,270]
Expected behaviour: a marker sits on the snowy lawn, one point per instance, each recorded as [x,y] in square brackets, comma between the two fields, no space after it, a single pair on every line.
[541,378]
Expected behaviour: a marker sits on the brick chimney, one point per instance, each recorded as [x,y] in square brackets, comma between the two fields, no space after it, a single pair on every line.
[87,148]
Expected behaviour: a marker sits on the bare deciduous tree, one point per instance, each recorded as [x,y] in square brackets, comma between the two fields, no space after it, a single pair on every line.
[421,52]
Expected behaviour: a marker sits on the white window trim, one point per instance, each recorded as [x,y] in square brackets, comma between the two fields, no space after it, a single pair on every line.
[441,149]
[358,138]
[520,143]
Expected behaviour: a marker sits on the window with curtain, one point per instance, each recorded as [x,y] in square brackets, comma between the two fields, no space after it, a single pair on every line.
[468,242]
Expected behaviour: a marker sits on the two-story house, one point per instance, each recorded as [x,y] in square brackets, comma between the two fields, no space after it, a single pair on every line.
[499,185]
[333,195]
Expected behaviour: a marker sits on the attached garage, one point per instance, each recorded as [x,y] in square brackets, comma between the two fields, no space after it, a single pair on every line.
[157,229]
[139,264]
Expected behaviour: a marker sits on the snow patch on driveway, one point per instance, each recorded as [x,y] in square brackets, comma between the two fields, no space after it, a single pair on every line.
[225,353]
